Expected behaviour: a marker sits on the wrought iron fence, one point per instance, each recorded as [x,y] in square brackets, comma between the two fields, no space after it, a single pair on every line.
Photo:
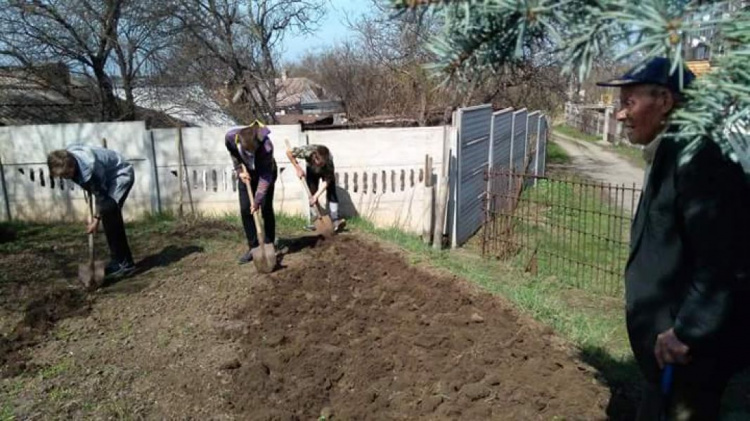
[574,230]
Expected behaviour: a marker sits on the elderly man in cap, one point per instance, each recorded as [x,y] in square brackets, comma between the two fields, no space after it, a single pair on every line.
[686,279]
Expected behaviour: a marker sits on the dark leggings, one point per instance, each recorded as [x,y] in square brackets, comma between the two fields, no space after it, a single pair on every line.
[114,226]
[313,181]
[266,209]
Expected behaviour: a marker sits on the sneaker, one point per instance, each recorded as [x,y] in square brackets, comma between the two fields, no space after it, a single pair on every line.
[246,258]
[122,269]
[339,225]
[111,267]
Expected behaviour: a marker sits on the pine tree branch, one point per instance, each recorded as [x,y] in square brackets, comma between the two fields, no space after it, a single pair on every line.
[486,35]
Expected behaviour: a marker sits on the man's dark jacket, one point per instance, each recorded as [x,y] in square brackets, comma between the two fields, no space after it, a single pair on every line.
[689,259]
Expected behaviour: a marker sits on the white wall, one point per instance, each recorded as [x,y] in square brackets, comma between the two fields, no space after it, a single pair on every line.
[209,168]
[394,158]
[24,151]
[358,154]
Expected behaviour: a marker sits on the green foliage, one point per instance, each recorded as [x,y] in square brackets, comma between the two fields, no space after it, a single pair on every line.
[556,154]
[573,132]
[490,34]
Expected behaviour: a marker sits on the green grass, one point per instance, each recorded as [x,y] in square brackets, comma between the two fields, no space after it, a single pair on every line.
[9,390]
[575,133]
[579,236]
[6,412]
[556,155]
[56,370]
[631,154]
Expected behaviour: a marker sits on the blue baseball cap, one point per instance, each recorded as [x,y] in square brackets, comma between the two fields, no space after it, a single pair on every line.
[653,72]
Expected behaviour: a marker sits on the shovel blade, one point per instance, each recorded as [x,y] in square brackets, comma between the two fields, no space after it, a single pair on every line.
[324,226]
[91,276]
[264,258]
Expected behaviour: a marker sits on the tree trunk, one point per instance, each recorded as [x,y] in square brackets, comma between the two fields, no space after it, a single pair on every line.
[128,112]
[110,109]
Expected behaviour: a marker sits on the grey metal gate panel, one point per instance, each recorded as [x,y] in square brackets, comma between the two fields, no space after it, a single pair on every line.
[502,125]
[473,160]
[541,168]
[519,139]
[532,140]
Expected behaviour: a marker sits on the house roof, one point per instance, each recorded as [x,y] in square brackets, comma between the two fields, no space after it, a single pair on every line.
[27,105]
[190,104]
[26,99]
[297,90]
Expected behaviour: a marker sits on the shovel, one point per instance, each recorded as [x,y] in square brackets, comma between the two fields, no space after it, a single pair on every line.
[91,274]
[264,256]
[323,224]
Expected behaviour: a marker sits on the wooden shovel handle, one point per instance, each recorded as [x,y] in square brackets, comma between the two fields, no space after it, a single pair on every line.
[259,228]
[289,155]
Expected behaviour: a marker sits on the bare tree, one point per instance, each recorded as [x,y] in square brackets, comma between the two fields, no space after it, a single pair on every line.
[98,39]
[399,45]
[235,44]
[81,33]
[144,43]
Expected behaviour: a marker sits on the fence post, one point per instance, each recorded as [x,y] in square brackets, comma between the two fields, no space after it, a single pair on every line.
[4,186]
[607,121]
[155,169]
[618,132]
[538,146]
[428,203]
[456,184]
[181,171]
[490,162]
[442,199]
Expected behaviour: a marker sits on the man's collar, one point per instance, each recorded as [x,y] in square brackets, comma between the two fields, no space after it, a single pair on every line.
[649,151]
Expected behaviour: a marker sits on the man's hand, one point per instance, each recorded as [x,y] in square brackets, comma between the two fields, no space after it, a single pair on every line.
[93,226]
[254,208]
[669,349]
[300,173]
[244,177]
[313,200]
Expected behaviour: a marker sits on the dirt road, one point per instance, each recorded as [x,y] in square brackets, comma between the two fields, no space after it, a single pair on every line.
[600,164]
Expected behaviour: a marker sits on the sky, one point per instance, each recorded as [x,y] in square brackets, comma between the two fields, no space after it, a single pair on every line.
[332,29]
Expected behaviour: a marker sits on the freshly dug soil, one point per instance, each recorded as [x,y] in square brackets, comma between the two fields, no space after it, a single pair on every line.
[344,329]
[356,333]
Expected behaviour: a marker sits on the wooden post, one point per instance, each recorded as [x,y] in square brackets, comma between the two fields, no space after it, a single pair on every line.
[104,142]
[187,176]
[180,174]
[428,202]
[155,169]
[5,191]
[442,198]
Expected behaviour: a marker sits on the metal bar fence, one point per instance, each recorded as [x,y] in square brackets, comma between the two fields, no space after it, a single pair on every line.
[574,230]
